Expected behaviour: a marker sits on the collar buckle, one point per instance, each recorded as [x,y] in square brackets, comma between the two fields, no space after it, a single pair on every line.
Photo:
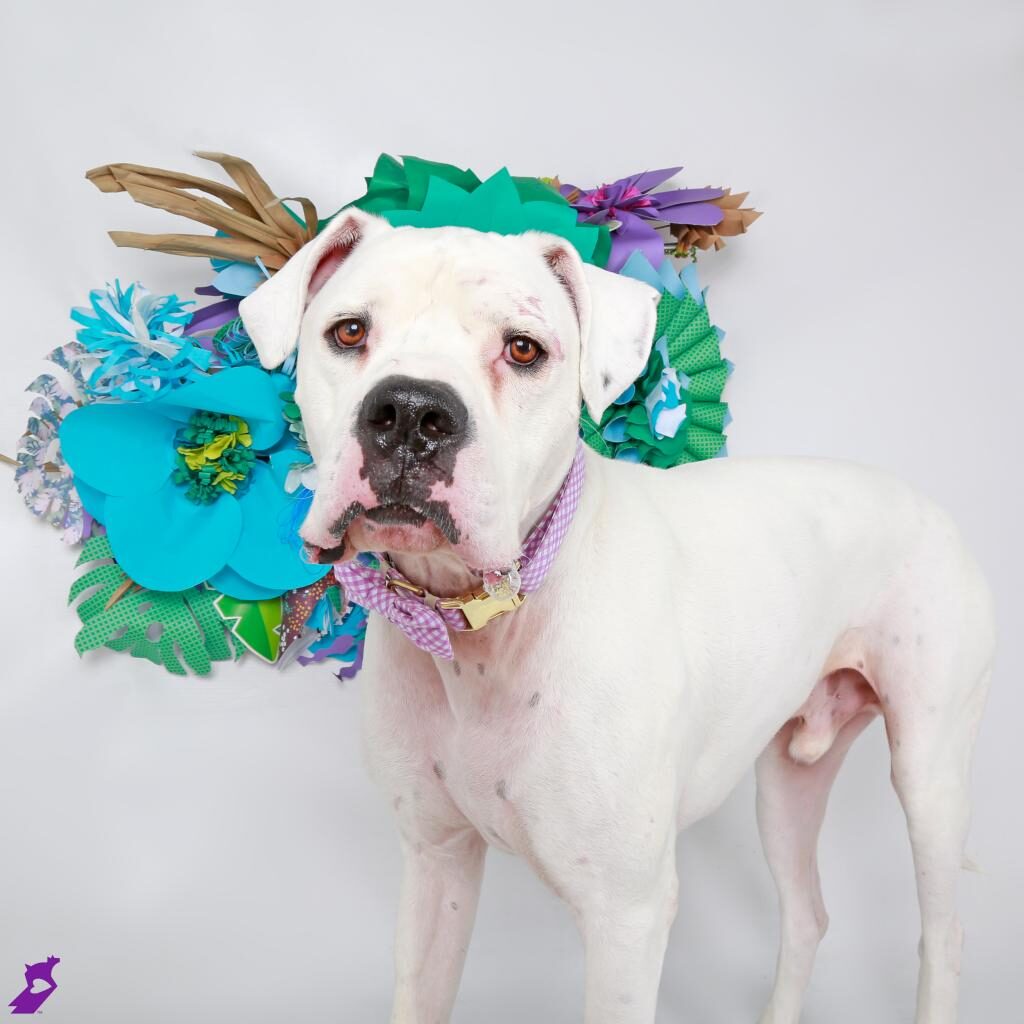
[481,608]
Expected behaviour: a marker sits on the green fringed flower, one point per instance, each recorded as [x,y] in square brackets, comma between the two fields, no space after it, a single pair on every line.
[215,457]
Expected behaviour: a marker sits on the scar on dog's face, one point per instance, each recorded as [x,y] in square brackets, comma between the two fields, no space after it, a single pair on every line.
[440,373]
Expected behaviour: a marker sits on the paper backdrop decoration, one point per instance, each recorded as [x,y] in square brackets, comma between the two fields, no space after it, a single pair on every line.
[160,443]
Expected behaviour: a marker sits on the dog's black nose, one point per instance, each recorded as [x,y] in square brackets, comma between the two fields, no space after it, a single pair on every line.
[411,419]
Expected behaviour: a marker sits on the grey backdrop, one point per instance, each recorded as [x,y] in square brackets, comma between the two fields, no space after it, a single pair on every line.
[209,850]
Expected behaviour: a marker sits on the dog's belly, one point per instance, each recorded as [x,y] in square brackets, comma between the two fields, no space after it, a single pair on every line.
[777,567]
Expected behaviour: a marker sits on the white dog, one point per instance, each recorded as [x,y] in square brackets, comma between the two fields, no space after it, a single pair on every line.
[694,621]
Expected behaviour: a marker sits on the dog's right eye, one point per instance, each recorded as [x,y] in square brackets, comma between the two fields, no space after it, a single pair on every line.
[350,332]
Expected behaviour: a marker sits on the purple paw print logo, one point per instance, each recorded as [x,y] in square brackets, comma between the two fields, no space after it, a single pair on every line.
[39,986]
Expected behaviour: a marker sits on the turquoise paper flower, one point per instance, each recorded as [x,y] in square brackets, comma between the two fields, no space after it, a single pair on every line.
[190,485]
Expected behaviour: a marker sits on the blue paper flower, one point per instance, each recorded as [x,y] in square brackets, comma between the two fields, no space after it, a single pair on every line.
[190,485]
[137,340]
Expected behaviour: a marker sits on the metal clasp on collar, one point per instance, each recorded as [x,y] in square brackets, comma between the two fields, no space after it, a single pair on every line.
[480,608]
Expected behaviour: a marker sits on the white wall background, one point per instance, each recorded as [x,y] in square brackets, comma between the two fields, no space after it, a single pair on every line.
[209,850]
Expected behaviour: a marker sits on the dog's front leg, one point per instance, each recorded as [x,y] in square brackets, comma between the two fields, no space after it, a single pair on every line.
[624,938]
[440,890]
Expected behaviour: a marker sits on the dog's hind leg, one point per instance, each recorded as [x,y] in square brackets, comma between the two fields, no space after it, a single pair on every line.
[791,799]
[930,772]
[932,662]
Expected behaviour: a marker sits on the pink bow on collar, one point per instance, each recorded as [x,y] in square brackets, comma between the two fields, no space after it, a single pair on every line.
[427,625]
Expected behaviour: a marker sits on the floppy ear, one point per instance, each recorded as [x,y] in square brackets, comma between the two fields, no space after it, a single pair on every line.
[272,314]
[616,316]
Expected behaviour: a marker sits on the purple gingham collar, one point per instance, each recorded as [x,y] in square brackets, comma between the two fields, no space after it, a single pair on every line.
[420,615]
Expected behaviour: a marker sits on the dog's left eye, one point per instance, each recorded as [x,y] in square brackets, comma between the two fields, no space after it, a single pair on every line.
[523,351]
[350,332]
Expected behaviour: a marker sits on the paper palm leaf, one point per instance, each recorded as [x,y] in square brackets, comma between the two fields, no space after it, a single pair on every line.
[167,628]
[255,624]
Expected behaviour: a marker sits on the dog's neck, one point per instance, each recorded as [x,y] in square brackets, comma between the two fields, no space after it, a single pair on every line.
[441,572]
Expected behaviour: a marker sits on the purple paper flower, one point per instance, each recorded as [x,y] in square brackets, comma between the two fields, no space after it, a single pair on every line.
[631,210]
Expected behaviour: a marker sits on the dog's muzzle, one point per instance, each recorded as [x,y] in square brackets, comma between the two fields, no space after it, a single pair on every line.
[411,432]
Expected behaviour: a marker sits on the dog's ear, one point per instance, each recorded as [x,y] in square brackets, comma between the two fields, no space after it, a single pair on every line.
[616,317]
[272,314]
[616,338]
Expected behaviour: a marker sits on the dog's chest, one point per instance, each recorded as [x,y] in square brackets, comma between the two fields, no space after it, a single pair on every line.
[461,751]
[488,747]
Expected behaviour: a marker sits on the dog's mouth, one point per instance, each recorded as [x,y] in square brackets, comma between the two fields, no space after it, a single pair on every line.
[396,520]
[396,515]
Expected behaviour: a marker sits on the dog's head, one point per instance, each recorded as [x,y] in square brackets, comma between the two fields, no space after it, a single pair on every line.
[440,373]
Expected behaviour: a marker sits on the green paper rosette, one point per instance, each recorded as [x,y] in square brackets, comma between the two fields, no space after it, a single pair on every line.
[672,414]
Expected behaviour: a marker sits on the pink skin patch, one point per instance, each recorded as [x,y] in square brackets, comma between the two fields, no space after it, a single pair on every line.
[336,492]
[529,306]
[412,540]
[834,701]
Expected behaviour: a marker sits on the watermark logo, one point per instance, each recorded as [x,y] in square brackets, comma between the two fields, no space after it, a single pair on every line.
[39,986]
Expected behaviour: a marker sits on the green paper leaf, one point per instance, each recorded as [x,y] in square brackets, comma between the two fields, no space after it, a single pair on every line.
[603,246]
[402,185]
[700,356]
[640,431]
[707,385]
[256,625]
[419,172]
[533,190]
[705,444]
[165,627]
[710,415]
[494,205]
[591,434]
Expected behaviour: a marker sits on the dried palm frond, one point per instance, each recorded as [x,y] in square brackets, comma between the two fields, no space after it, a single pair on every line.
[254,222]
